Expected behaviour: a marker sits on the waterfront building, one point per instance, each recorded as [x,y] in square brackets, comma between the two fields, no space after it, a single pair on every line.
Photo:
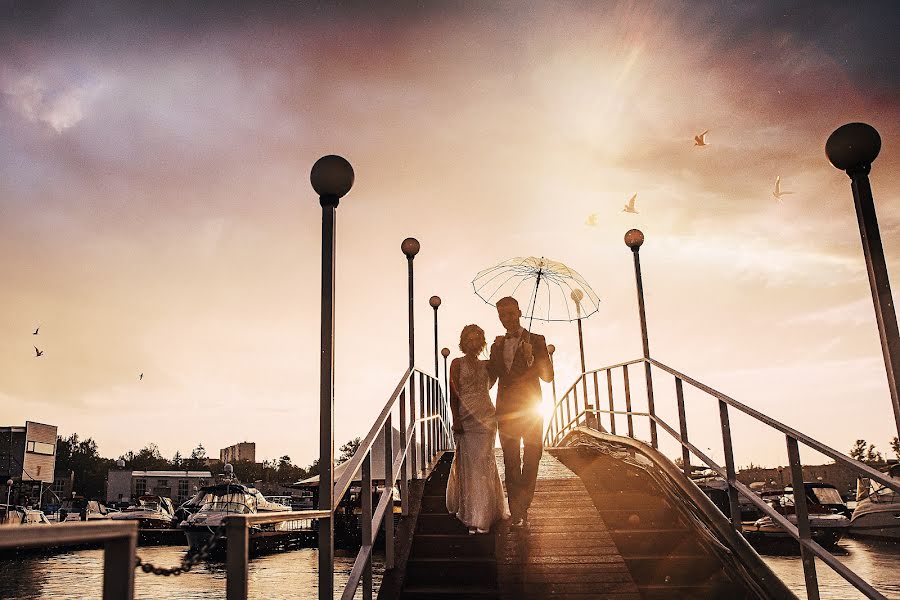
[28,458]
[241,451]
[125,485]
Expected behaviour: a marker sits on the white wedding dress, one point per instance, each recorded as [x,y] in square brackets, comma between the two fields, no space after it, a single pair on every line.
[474,490]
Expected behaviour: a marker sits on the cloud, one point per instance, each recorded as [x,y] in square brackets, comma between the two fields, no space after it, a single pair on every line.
[60,109]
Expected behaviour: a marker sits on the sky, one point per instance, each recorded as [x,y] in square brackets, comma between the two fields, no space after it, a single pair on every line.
[156,215]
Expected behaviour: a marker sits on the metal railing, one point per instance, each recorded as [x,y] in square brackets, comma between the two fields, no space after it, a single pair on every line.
[119,539]
[417,394]
[423,423]
[567,416]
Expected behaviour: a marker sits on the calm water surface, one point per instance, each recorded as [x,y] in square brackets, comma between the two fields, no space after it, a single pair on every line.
[876,562]
[76,575]
[79,574]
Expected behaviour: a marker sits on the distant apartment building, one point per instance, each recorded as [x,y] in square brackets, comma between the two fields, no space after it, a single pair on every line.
[28,453]
[124,485]
[241,451]
[28,458]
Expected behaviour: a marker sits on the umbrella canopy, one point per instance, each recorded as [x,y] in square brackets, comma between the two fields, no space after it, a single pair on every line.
[545,289]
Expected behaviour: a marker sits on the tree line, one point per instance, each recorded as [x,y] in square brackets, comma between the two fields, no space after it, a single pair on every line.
[82,458]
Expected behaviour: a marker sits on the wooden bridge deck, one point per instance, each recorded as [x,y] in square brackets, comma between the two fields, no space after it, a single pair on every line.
[567,550]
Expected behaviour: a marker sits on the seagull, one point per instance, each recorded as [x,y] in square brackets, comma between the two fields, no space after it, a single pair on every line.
[37,352]
[592,220]
[777,193]
[36,330]
[700,140]
[141,377]
[629,208]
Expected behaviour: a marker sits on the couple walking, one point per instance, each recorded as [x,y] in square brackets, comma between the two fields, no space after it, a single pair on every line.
[518,360]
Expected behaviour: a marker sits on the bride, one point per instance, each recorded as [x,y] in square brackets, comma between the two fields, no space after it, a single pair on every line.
[474,491]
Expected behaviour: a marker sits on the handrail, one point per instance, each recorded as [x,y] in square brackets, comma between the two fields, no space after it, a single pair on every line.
[428,414]
[119,540]
[343,484]
[800,437]
[560,426]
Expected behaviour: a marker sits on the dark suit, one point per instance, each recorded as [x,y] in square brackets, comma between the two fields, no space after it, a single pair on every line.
[519,416]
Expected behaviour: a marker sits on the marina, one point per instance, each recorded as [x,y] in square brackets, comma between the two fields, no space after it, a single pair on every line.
[664,363]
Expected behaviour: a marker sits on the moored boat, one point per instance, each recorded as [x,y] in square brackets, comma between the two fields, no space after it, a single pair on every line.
[877,513]
[218,502]
[151,512]
[827,523]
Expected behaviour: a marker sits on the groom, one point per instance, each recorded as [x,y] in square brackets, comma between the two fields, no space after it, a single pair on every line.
[518,360]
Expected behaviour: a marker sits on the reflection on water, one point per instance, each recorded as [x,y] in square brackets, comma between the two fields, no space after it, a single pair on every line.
[878,563]
[79,574]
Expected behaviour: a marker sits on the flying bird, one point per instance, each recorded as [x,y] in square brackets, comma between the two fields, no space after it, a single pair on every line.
[700,140]
[36,330]
[777,193]
[629,208]
[592,220]
[37,352]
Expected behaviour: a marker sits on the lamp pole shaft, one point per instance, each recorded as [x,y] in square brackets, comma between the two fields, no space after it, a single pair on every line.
[589,417]
[879,282]
[437,373]
[412,347]
[446,383]
[645,344]
[326,403]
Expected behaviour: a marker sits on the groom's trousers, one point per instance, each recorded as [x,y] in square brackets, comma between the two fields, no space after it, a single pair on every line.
[523,428]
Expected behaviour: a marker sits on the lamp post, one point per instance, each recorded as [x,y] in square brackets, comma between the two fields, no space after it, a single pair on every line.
[577,296]
[633,239]
[435,302]
[410,247]
[9,484]
[852,148]
[331,177]
[445,352]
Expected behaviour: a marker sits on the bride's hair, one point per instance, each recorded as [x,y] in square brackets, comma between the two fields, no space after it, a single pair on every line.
[469,329]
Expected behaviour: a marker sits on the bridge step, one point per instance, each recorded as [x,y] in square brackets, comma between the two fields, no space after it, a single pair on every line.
[444,571]
[452,545]
[436,503]
[446,561]
[440,523]
[456,592]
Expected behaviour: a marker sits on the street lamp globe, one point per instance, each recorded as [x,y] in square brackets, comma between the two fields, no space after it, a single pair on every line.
[332,176]
[634,238]
[445,352]
[853,145]
[120,463]
[410,247]
[9,483]
[434,301]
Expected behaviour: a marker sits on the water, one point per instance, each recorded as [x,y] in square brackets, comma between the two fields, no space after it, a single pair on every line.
[876,562]
[79,574]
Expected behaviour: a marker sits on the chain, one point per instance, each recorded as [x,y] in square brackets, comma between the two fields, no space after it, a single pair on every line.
[190,559]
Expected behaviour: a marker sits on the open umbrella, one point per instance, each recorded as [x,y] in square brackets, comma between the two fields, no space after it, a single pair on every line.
[546,290]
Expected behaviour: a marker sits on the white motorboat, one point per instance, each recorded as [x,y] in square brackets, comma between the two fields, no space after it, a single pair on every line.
[151,512]
[877,512]
[218,502]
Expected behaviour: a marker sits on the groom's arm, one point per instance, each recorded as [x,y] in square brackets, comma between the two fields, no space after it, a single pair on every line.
[542,365]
